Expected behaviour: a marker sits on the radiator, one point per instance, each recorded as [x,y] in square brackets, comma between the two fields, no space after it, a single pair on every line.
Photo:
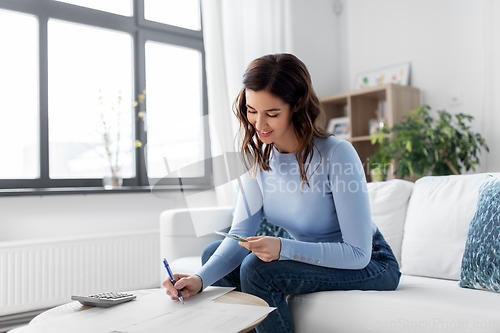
[45,273]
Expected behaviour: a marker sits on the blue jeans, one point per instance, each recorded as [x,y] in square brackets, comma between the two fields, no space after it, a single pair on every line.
[273,281]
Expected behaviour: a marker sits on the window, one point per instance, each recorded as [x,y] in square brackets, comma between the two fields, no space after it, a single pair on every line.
[169,102]
[95,85]
[19,95]
[185,13]
[94,91]
[121,7]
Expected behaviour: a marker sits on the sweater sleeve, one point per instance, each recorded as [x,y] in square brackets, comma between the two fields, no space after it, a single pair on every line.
[349,191]
[246,219]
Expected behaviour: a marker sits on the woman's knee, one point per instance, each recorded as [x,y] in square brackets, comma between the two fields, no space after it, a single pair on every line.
[253,272]
[396,277]
[209,251]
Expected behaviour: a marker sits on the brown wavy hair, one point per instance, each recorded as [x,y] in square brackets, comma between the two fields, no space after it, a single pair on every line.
[285,76]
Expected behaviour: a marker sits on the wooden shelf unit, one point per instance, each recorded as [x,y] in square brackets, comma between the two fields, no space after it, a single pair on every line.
[360,106]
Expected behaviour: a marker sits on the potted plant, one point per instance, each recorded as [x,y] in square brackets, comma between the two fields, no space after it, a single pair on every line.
[422,145]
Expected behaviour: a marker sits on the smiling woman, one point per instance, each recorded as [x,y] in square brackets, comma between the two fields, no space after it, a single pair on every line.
[274,123]
[302,179]
[282,82]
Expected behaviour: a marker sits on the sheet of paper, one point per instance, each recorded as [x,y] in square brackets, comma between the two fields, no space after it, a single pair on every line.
[208,318]
[154,310]
[104,320]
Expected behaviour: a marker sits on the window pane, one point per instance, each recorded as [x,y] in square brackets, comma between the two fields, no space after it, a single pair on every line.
[120,7]
[174,108]
[184,14]
[90,101]
[19,129]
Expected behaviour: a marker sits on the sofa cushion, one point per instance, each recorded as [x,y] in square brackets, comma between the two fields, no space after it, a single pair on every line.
[267,228]
[437,222]
[185,265]
[419,304]
[388,204]
[481,260]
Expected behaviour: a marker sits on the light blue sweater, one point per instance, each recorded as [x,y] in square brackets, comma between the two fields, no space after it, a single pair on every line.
[330,219]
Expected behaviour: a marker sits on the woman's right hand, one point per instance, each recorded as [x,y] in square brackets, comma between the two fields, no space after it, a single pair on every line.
[189,285]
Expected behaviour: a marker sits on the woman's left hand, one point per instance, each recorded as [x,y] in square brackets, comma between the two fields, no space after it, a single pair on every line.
[264,247]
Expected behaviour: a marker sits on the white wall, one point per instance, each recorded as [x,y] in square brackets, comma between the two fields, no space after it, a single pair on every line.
[443,40]
[313,37]
[55,216]
[491,118]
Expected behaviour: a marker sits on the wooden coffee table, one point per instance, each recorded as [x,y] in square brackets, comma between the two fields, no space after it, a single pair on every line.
[232,297]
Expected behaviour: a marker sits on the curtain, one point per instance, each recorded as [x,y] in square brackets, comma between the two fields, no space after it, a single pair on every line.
[235,32]
[491,116]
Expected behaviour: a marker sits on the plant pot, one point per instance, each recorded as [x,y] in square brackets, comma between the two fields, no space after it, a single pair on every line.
[112,182]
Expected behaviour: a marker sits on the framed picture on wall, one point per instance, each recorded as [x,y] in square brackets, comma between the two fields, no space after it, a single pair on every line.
[340,127]
[397,74]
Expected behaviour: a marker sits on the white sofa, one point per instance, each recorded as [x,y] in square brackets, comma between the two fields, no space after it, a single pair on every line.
[425,223]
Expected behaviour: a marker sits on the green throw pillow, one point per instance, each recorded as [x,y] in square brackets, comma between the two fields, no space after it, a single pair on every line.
[266,228]
[481,259]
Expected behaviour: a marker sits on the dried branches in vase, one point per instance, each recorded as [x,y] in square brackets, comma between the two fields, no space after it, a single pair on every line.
[114,122]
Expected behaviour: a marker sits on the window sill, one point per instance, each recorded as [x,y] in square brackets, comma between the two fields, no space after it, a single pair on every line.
[97,190]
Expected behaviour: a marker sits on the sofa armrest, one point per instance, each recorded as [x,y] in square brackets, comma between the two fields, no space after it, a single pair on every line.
[178,236]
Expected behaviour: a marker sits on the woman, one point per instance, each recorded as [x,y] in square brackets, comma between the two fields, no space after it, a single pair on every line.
[308,182]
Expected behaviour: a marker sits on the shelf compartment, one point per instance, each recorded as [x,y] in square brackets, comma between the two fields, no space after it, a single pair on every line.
[365,150]
[335,108]
[364,108]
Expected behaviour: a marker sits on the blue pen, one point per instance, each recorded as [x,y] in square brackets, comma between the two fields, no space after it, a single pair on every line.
[172,279]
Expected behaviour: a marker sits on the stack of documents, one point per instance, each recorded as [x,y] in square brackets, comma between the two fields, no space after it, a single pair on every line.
[156,312]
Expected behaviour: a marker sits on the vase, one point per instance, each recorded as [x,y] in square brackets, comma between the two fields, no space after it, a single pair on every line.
[112,182]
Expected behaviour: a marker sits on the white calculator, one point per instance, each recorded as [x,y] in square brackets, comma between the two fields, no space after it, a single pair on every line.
[104,300]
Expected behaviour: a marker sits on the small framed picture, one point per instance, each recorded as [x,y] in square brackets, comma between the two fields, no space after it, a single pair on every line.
[397,74]
[340,127]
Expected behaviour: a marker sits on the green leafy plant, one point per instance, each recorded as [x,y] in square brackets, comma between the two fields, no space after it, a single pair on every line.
[421,145]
